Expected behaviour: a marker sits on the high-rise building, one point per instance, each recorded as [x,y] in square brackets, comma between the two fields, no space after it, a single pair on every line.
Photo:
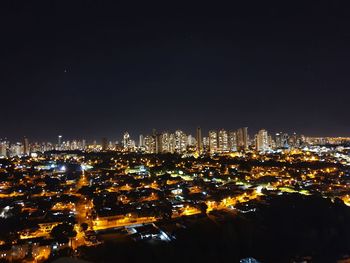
[16,149]
[74,145]
[199,140]
[282,140]
[272,143]
[59,142]
[26,150]
[232,141]
[3,148]
[166,142]
[110,145]
[213,142]
[132,145]
[191,141]
[141,141]
[206,144]
[242,138]
[126,141]
[293,140]
[223,141]
[180,141]
[149,144]
[159,143]
[262,141]
[104,144]
[172,142]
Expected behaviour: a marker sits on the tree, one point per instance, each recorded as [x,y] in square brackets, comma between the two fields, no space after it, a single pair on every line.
[84,226]
[203,207]
[63,231]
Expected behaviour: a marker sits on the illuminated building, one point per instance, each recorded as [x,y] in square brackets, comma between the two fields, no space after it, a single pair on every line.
[74,145]
[242,138]
[126,141]
[272,143]
[180,141]
[59,142]
[293,140]
[213,141]
[191,141]
[149,144]
[223,141]
[16,149]
[199,140]
[132,145]
[110,145]
[262,141]
[172,143]
[3,149]
[232,141]
[206,144]
[165,142]
[159,143]
[141,141]
[282,140]
[296,141]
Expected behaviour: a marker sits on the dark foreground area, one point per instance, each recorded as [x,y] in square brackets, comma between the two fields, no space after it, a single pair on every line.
[281,230]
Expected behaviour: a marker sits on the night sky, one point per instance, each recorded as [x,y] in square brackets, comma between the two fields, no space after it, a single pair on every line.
[95,69]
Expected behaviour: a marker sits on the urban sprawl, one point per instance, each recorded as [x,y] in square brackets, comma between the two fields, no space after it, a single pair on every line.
[71,194]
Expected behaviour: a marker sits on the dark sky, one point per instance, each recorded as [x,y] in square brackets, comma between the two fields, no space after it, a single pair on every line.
[94,68]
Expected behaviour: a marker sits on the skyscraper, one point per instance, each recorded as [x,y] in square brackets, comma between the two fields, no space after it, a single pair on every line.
[16,149]
[242,138]
[282,140]
[232,141]
[126,141]
[172,142]
[180,141]
[223,141]
[26,149]
[199,140]
[262,141]
[3,148]
[159,143]
[206,144]
[149,144]
[293,140]
[165,142]
[104,144]
[213,142]
[141,141]
[59,142]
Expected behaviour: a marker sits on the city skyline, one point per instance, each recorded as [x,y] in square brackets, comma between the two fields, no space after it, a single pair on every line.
[213,142]
[118,136]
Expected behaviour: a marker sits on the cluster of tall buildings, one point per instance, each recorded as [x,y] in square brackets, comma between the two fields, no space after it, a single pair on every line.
[221,141]
[14,149]
[8,149]
[215,141]
[225,141]
[166,142]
